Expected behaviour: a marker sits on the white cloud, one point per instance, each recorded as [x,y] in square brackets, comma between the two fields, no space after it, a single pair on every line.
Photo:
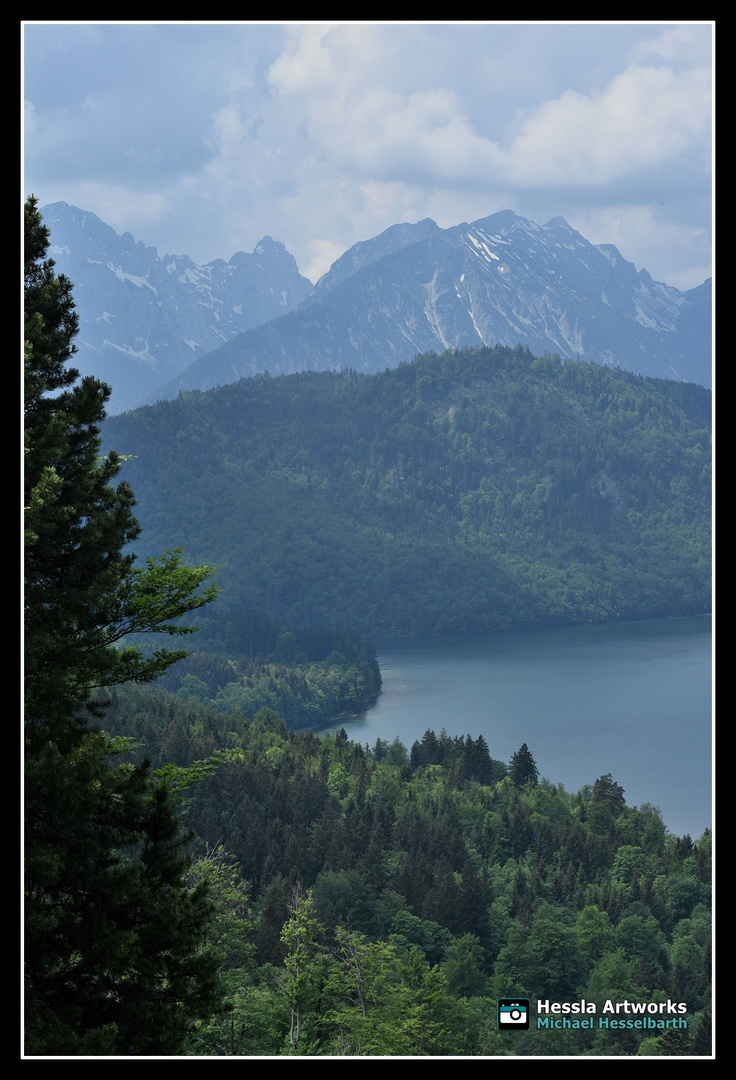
[644,117]
[356,121]
[323,253]
[305,65]
[684,44]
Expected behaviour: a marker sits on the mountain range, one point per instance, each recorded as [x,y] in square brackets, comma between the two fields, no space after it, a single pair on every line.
[155,326]
[143,317]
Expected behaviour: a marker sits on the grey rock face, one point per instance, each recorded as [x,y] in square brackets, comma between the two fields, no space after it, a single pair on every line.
[502,279]
[145,318]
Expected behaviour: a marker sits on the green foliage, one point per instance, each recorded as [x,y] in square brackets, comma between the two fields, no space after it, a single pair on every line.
[463,967]
[50,320]
[83,593]
[408,874]
[607,792]
[302,964]
[114,952]
[475,491]
[231,926]
[309,675]
[594,933]
[115,961]
[523,767]
[361,981]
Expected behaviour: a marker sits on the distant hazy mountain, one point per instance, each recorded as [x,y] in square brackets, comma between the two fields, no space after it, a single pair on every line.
[502,279]
[144,318]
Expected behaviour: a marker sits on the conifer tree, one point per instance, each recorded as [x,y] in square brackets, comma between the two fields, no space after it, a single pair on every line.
[113,939]
[83,593]
[523,767]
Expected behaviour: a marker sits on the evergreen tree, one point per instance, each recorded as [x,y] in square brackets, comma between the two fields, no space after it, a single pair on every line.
[608,793]
[113,942]
[83,594]
[523,767]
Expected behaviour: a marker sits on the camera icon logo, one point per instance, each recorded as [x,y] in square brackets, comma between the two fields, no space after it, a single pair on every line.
[513,1014]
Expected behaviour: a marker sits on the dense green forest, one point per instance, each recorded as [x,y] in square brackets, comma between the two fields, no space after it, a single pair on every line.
[309,675]
[380,901]
[476,491]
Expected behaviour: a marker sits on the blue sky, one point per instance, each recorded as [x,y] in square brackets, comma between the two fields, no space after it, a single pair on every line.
[201,138]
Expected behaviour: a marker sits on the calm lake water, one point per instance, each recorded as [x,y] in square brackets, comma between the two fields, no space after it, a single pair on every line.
[630,699]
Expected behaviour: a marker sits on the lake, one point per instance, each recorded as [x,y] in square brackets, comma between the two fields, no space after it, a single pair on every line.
[630,699]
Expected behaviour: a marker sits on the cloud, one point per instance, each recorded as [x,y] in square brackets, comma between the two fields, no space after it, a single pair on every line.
[211,136]
[684,45]
[306,63]
[646,116]
[338,89]
[346,105]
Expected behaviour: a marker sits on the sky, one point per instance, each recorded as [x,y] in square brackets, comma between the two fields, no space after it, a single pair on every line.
[201,138]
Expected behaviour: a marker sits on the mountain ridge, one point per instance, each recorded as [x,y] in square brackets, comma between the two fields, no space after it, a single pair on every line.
[144,317]
[501,279]
[153,325]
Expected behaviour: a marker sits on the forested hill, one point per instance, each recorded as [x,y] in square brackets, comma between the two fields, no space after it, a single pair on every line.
[414,888]
[475,491]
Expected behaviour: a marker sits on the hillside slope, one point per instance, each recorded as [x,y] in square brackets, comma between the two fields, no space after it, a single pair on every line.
[473,491]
